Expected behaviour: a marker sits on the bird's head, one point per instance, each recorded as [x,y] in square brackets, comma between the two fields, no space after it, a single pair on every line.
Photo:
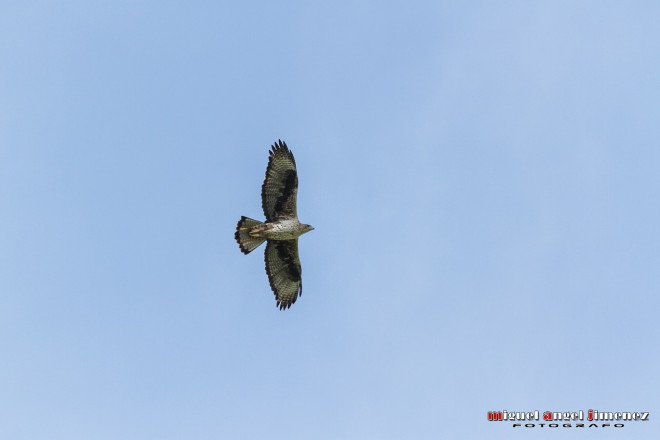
[306,228]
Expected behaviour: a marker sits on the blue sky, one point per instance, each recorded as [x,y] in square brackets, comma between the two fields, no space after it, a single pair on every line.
[482,177]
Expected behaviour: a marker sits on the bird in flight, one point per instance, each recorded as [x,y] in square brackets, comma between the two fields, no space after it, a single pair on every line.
[281,228]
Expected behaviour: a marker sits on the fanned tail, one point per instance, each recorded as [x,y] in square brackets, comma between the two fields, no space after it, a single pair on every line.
[246,242]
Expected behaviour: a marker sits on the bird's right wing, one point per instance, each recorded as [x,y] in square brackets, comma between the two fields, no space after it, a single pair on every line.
[280,188]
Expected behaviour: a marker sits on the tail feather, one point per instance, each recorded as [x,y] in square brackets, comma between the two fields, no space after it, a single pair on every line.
[246,242]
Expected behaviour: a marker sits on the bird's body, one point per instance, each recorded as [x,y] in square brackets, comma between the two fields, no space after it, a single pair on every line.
[281,228]
[285,229]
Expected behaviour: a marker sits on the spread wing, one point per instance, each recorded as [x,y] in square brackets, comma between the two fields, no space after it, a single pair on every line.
[283,269]
[280,188]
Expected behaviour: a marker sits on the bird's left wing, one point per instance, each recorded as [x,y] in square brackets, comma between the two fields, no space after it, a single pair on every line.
[280,188]
[284,271]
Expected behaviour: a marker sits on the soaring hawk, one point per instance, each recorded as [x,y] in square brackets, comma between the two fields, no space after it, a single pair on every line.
[281,228]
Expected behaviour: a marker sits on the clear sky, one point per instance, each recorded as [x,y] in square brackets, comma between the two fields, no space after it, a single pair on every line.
[483,178]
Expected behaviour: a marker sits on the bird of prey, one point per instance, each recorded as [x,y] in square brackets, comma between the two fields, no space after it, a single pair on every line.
[281,228]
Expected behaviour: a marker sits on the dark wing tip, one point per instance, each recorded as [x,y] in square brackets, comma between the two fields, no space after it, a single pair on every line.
[277,146]
[280,148]
[283,306]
